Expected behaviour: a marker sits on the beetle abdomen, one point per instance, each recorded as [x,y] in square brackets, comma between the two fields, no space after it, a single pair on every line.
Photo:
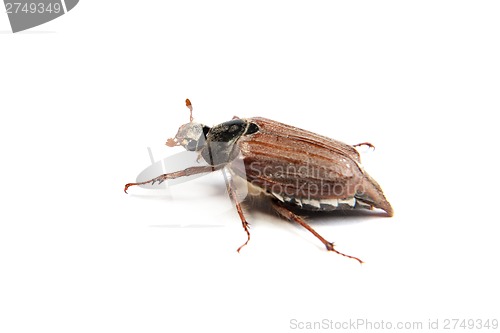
[320,204]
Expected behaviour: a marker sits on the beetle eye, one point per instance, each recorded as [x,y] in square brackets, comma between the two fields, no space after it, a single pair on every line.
[206,129]
[191,146]
[252,128]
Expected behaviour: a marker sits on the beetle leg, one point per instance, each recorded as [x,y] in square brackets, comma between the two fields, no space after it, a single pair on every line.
[177,174]
[289,215]
[234,198]
[365,144]
[244,223]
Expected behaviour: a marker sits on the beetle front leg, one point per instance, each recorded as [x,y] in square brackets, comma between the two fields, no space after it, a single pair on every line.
[289,215]
[177,174]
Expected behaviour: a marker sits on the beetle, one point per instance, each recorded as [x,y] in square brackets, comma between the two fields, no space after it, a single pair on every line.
[296,169]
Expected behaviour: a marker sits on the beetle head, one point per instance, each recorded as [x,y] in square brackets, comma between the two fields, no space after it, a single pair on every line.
[192,136]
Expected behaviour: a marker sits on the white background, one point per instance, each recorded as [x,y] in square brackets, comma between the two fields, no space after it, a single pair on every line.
[83,96]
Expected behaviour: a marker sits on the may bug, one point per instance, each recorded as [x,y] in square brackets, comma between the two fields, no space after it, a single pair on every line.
[294,168]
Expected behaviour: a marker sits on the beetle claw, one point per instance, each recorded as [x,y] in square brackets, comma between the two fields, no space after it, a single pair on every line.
[369,145]
[330,247]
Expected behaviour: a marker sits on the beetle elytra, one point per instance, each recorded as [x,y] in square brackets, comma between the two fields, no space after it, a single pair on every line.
[296,169]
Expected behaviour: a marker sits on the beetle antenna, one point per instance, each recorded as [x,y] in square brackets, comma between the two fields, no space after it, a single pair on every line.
[172,142]
[190,107]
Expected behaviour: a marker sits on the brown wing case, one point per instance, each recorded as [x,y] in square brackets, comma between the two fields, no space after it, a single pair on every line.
[295,163]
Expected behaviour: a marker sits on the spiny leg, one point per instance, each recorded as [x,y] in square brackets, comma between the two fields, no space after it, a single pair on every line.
[289,215]
[234,197]
[177,174]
